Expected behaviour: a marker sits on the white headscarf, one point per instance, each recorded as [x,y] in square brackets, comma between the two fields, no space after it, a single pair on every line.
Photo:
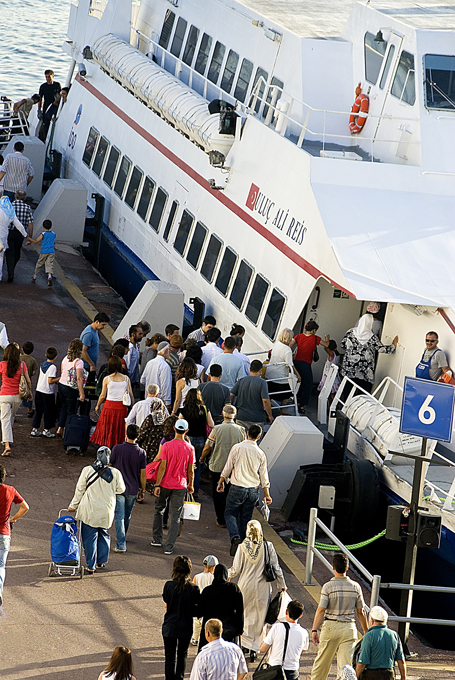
[362,329]
[252,547]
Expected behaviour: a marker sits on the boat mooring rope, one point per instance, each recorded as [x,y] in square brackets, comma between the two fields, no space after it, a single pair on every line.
[333,548]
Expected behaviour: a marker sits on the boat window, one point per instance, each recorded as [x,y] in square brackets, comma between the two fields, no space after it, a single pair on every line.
[440,81]
[100,156]
[257,297]
[170,220]
[167,29]
[403,85]
[203,54]
[197,243]
[111,166]
[211,258]
[90,146]
[122,176]
[215,64]
[183,232]
[226,270]
[179,34]
[388,64]
[190,47]
[158,209]
[273,314]
[260,93]
[229,71]
[374,55]
[275,90]
[146,197]
[133,187]
[241,283]
[245,73]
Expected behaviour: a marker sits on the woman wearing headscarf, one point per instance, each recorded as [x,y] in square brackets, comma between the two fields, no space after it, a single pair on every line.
[360,345]
[249,563]
[152,429]
[94,502]
[224,601]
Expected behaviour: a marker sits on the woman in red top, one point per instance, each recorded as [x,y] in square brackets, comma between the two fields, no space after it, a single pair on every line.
[10,370]
[306,344]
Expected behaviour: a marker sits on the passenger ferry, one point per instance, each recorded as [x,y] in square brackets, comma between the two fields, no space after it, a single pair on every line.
[223,138]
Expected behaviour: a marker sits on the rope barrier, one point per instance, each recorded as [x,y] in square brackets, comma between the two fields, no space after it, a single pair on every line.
[333,548]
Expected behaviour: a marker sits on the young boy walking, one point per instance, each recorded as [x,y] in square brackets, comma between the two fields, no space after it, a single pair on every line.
[45,396]
[47,252]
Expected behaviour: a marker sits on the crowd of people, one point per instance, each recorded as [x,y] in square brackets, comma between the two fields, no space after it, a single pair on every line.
[173,406]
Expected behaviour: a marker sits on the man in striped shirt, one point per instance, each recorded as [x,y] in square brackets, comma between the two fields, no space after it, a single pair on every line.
[218,660]
[341,600]
[17,171]
[15,237]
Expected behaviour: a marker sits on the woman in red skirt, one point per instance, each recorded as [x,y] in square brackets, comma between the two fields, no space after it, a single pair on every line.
[110,428]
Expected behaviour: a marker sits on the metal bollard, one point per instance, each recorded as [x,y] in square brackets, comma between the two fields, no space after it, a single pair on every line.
[310,546]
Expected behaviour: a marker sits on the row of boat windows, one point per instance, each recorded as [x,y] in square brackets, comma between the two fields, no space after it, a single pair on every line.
[403,86]
[248,291]
[207,59]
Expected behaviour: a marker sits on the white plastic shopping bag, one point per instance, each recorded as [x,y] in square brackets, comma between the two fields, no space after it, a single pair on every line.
[191,509]
[285,599]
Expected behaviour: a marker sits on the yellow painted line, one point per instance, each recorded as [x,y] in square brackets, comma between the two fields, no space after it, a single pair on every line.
[75,292]
[429,666]
[287,557]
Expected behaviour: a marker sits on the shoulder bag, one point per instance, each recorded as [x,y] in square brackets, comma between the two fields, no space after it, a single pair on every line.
[315,352]
[71,378]
[24,390]
[269,571]
[266,672]
[126,395]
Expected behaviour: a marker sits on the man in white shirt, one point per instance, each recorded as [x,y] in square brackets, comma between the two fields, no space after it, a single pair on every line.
[298,641]
[246,469]
[238,352]
[159,372]
[211,349]
[141,409]
[17,171]
[218,660]
[208,322]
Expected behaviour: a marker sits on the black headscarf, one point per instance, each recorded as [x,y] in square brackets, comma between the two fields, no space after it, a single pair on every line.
[224,601]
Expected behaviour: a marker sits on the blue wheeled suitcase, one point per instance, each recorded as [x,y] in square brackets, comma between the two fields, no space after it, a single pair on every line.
[77,434]
[65,547]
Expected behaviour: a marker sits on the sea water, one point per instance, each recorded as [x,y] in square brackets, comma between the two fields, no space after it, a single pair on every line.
[32,33]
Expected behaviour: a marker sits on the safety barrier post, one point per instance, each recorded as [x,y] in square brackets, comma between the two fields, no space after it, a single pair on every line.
[310,546]
[375,586]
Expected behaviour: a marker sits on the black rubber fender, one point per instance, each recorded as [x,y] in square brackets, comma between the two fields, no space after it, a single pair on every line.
[365,497]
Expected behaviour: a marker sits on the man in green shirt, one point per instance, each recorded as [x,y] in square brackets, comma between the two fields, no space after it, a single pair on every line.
[380,648]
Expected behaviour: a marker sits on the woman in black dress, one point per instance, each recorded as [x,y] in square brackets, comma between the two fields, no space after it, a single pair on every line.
[181,598]
[224,601]
[198,418]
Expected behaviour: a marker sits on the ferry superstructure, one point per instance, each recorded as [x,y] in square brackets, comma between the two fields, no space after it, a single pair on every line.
[218,133]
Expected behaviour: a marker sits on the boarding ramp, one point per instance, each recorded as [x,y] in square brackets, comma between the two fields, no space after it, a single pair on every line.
[159,303]
[35,150]
[65,204]
[290,442]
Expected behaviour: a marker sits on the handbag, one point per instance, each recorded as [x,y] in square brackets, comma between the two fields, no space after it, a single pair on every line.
[191,509]
[126,397]
[272,612]
[269,571]
[24,390]
[71,378]
[315,352]
[151,471]
[208,429]
[266,672]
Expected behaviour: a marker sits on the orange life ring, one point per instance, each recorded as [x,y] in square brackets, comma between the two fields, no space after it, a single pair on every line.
[359,113]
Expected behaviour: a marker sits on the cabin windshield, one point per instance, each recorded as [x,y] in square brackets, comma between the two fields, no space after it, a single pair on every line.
[374,55]
[440,81]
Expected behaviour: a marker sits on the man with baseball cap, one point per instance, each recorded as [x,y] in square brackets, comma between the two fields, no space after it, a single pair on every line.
[174,479]
[159,373]
[380,648]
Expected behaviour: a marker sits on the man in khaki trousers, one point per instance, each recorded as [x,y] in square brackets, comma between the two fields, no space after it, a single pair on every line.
[341,601]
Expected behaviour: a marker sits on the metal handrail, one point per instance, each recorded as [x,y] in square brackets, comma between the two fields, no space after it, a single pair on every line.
[375,580]
[291,387]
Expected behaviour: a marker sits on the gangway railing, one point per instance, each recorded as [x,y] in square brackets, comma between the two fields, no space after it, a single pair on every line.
[373,580]
[11,123]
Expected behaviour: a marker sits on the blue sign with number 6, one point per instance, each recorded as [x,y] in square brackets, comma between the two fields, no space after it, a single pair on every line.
[427,409]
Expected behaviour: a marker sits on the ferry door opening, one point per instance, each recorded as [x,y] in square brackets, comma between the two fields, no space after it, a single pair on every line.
[334,311]
[390,50]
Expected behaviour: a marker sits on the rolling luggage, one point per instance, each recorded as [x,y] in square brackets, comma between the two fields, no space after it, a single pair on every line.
[77,434]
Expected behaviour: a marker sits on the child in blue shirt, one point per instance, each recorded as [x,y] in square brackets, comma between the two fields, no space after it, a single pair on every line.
[47,252]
